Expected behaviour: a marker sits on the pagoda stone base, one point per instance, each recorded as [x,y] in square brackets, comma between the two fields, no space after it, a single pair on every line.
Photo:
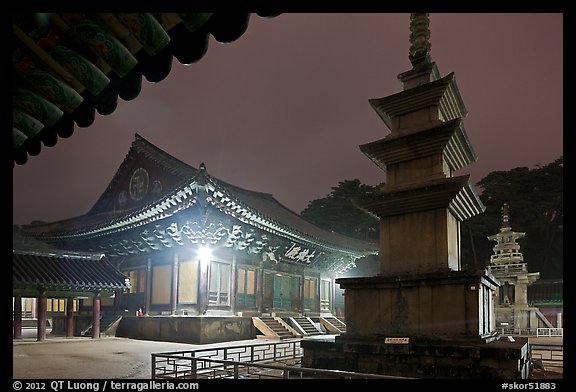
[438,304]
[427,325]
[421,357]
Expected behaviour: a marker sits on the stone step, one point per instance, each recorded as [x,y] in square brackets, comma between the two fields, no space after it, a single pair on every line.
[307,326]
[277,328]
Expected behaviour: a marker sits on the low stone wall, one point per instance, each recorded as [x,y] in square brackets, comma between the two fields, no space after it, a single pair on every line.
[187,329]
[33,323]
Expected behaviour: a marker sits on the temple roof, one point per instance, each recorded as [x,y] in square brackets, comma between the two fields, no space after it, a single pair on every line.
[68,66]
[546,292]
[185,186]
[64,271]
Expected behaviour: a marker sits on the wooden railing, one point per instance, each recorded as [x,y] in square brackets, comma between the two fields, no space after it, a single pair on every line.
[258,361]
[183,364]
[538,332]
[551,356]
[204,368]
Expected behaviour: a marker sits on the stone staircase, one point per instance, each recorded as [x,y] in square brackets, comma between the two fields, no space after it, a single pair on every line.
[305,326]
[333,324]
[107,325]
[274,328]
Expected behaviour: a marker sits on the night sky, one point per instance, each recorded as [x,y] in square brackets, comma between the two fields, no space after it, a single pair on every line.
[284,108]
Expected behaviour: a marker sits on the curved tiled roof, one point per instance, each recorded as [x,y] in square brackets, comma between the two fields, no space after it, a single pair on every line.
[268,206]
[64,271]
[258,209]
[68,66]
[546,292]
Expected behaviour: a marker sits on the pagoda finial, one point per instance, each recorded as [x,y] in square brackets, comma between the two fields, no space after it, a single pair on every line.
[419,39]
[505,217]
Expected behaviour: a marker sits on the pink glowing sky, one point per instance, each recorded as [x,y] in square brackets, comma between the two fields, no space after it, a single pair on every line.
[284,108]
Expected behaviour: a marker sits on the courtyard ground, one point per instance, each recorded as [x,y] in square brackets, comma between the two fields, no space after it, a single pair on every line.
[119,358]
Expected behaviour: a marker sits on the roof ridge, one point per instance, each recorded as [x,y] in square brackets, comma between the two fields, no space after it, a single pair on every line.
[155,155]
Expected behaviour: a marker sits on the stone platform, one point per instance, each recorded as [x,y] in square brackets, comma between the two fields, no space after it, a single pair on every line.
[422,358]
[187,329]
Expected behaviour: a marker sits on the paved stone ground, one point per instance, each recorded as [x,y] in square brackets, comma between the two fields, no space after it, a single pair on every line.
[117,358]
[86,358]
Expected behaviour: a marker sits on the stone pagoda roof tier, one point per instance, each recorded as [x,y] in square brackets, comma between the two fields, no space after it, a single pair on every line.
[442,96]
[448,139]
[507,250]
[456,193]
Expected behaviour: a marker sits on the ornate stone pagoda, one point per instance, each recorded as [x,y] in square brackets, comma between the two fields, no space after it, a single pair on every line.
[507,264]
[421,316]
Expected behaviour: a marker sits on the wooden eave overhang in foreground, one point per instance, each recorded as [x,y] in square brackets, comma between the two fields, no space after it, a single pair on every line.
[66,67]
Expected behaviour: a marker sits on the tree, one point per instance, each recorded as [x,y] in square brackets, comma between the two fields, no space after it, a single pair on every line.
[336,212]
[535,198]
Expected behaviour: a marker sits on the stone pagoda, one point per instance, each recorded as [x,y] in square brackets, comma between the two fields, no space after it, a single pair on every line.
[421,316]
[507,264]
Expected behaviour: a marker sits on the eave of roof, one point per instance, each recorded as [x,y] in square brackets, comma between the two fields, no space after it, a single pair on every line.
[68,66]
[448,139]
[65,271]
[456,193]
[257,209]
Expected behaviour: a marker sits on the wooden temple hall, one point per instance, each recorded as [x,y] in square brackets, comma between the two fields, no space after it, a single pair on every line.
[203,260]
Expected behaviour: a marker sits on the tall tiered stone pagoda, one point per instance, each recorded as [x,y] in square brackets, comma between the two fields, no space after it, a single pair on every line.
[422,315]
[508,265]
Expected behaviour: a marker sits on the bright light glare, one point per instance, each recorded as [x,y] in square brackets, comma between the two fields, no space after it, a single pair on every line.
[204,253]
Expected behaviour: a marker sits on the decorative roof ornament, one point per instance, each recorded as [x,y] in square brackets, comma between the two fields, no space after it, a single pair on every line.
[419,39]
[505,217]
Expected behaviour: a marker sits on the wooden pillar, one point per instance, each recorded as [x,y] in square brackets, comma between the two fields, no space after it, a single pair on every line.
[17,323]
[317,295]
[96,316]
[332,295]
[174,294]
[233,284]
[302,294]
[41,316]
[117,300]
[148,286]
[69,317]
[203,286]
[260,289]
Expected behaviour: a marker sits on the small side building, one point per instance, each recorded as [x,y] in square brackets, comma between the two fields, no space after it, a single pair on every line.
[548,296]
[48,283]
